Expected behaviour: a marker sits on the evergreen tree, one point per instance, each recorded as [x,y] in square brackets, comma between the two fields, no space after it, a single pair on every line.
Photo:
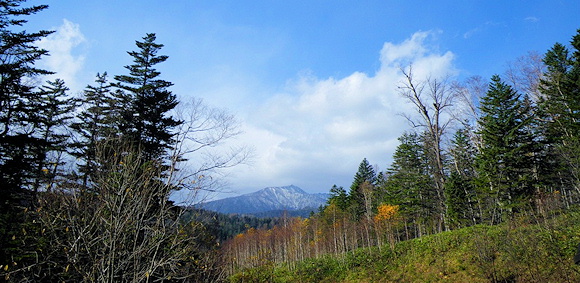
[18,98]
[408,183]
[19,105]
[561,97]
[147,121]
[506,161]
[462,153]
[560,109]
[365,174]
[457,200]
[460,194]
[53,121]
[339,197]
[99,120]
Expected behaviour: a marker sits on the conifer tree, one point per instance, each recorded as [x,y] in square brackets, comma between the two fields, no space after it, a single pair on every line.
[365,174]
[561,98]
[506,160]
[559,107]
[460,194]
[408,183]
[147,121]
[19,104]
[53,121]
[18,99]
[339,197]
[98,121]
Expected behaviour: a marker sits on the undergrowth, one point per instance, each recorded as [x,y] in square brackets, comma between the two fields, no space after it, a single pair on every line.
[519,251]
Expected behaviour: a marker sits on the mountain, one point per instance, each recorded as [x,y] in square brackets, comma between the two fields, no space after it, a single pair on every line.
[270,201]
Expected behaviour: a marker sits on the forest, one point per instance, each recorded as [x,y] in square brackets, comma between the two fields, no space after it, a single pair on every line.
[86,179]
[481,156]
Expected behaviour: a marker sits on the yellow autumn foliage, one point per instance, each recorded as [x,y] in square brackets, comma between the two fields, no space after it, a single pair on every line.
[386,212]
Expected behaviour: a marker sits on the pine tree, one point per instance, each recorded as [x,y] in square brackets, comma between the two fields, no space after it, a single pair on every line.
[561,97]
[462,153]
[506,161]
[147,121]
[457,200]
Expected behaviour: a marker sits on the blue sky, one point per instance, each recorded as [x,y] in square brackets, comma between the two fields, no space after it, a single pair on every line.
[313,83]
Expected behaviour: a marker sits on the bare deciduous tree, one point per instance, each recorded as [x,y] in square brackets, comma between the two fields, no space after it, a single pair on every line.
[123,230]
[525,72]
[122,227]
[433,99]
[466,110]
[201,142]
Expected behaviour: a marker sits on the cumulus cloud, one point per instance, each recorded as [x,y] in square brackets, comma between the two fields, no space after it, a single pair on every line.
[316,133]
[62,46]
[409,49]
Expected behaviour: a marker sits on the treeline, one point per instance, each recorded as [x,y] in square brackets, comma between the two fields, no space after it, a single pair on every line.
[86,179]
[480,152]
[224,226]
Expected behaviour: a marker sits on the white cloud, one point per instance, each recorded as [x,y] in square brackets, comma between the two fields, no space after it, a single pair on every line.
[62,46]
[316,133]
[409,49]
[531,19]
[481,28]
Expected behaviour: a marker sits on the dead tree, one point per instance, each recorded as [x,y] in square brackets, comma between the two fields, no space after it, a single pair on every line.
[432,99]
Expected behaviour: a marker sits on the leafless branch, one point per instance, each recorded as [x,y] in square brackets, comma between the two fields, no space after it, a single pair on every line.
[201,151]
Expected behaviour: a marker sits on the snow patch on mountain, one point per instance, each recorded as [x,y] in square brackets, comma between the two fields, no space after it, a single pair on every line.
[268,199]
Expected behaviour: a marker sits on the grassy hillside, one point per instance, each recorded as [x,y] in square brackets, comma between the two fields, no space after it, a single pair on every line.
[519,251]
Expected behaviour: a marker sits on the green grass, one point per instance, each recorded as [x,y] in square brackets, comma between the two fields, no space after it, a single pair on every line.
[513,252]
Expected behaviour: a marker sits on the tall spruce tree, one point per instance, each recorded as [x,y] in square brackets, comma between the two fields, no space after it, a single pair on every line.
[506,160]
[339,197]
[53,121]
[365,174]
[98,121]
[408,182]
[147,121]
[561,97]
[18,98]
[560,109]
[460,196]
[19,105]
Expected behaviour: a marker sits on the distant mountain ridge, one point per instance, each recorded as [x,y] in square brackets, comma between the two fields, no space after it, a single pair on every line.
[268,200]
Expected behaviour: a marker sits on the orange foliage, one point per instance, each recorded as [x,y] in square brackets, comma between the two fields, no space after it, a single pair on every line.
[386,212]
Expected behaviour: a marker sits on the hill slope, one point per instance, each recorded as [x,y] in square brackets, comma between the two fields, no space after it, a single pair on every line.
[519,251]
